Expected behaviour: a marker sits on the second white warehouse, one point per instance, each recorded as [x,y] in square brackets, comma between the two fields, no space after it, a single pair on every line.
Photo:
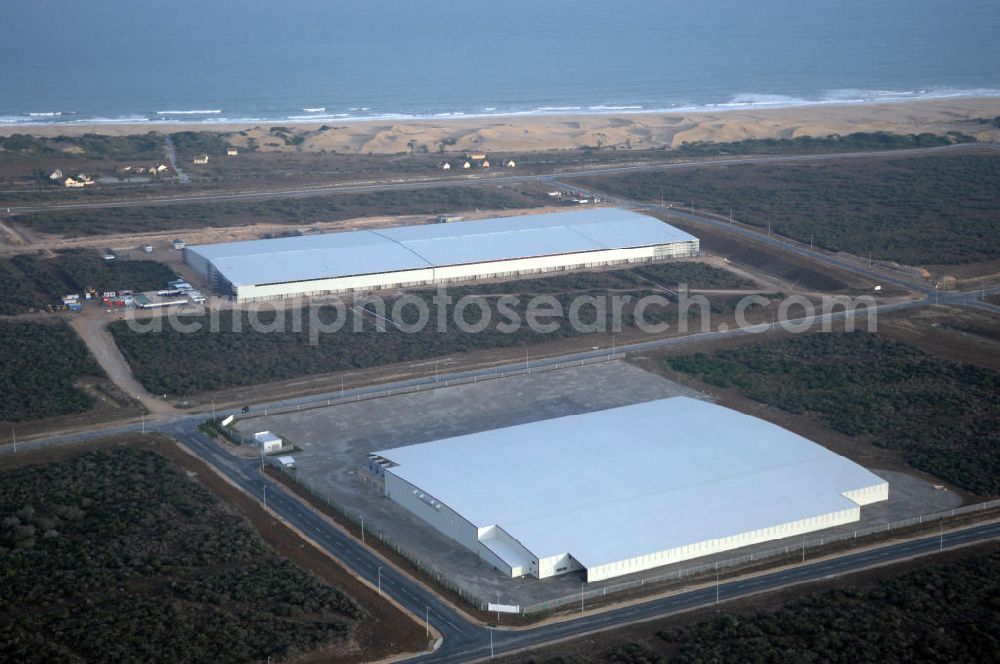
[625,490]
[436,253]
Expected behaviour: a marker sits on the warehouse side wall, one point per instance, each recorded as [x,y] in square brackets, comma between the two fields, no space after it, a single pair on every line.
[444,519]
[709,547]
[454,273]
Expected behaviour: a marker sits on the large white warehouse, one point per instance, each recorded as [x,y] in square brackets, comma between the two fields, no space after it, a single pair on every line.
[436,253]
[624,490]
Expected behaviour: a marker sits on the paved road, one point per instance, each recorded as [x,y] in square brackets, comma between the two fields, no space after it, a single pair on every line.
[345,188]
[465,640]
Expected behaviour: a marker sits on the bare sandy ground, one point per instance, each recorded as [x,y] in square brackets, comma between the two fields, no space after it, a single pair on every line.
[636,130]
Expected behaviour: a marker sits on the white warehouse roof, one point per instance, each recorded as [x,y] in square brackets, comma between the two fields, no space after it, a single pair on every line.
[304,258]
[616,484]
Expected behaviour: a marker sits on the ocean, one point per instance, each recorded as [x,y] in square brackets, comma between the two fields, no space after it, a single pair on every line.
[216,61]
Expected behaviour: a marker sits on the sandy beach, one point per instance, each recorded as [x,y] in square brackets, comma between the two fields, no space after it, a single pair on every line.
[563,132]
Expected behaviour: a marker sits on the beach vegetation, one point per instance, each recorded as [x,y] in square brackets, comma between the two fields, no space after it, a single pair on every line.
[927,210]
[942,416]
[118,555]
[40,365]
[147,146]
[78,223]
[234,355]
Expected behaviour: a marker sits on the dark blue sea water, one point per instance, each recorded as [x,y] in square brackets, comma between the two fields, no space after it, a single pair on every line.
[228,60]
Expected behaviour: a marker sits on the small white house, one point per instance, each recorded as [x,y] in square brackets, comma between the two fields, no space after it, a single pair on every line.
[287,462]
[160,168]
[232,152]
[201,159]
[56,175]
[467,165]
[445,166]
[486,163]
[147,248]
[268,442]
[70,182]
[510,163]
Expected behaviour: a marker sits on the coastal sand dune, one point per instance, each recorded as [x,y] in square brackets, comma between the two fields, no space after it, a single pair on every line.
[623,131]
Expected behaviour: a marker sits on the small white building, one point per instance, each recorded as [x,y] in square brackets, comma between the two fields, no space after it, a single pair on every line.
[56,175]
[147,248]
[232,152]
[268,442]
[201,159]
[445,166]
[467,165]
[70,182]
[510,163]
[179,244]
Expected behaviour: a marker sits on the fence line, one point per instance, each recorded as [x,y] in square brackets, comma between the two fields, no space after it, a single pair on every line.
[806,545]
[354,518]
[756,556]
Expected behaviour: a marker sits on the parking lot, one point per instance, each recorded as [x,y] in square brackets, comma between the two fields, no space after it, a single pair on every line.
[335,441]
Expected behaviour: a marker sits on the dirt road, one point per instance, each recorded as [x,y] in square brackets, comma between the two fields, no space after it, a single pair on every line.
[92,326]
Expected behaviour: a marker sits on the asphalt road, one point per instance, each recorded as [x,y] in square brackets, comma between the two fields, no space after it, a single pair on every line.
[473,180]
[465,640]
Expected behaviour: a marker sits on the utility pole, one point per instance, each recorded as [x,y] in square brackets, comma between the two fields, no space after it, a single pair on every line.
[612,346]
[526,367]
[13,437]
[380,581]
[362,528]
[583,584]
[730,216]
[427,620]
[810,242]
[491,641]
[265,497]
[803,549]
[143,417]
[341,387]
[716,585]
[262,458]
[941,544]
